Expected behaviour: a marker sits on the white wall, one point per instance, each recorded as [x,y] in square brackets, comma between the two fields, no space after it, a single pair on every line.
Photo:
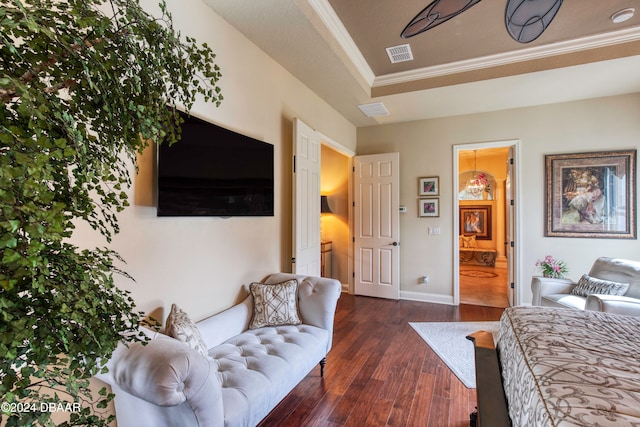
[202,263]
[426,150]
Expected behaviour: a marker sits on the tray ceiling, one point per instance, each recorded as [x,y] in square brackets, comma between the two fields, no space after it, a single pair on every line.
[468,64]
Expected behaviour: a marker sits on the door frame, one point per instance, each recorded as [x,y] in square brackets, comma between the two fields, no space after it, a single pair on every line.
[336,146]
[517,254]
[350,154]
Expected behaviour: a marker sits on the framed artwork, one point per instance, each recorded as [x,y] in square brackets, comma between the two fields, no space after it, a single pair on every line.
[476,221]
[429,186]
[591,195]
[428,207]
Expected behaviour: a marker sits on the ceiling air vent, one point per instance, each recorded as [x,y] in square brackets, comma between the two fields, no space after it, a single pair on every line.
[399,53]
[373,110]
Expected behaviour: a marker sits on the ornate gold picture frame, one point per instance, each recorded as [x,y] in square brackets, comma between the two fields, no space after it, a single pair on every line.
[591,194]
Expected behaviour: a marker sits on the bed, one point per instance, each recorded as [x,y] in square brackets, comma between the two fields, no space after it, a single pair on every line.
[559,367]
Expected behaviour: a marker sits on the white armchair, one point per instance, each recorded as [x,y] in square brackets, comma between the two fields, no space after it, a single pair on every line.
[557,292]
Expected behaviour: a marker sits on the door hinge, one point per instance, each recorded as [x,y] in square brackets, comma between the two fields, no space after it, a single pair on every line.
[294,163]
[513,285]
[353,274]
[353,239]
[512,202]
[512,244]
[511,161]
[293,260]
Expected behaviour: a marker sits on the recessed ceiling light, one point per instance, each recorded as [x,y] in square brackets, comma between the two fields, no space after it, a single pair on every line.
[623,15]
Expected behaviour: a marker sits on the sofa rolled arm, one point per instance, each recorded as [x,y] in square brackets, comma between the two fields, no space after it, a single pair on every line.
[541,286]
[317,299]
[613,304]
[166,372]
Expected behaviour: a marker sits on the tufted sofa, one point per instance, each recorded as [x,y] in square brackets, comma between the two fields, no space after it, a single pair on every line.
[248,372]
[557,292]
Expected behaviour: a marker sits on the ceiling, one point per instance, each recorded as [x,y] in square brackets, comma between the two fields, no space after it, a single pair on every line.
[468,64]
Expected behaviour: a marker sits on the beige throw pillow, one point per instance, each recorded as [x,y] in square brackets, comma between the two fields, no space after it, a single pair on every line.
[275,305]
[182,328]
[469,242]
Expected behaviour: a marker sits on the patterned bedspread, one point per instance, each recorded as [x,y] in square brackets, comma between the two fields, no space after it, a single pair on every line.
[570,368]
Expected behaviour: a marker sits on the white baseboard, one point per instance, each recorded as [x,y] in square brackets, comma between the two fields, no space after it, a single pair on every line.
[424,297]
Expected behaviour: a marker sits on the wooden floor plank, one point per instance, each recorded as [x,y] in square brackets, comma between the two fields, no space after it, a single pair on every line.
[393,382]
[460,408]
[444,378]
[403,403]
[439,412]
[366,402]
[380,372]
[318,417]
[422,400]
[378,414]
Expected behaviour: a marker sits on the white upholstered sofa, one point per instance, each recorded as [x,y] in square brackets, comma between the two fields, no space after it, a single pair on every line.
[552,292]
[247,372]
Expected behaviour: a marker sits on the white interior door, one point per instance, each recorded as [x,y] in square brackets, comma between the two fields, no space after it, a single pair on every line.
[306,200]
[377,225]
[510,226]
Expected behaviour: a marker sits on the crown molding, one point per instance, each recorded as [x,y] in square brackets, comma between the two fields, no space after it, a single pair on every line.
[523,55]
[330,19]
[335,26]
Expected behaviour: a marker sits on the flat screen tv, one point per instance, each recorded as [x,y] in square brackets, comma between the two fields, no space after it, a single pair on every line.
[213,171]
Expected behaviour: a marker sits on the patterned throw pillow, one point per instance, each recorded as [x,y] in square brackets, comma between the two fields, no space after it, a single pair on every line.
[182,328]
[588,285]
[274,305]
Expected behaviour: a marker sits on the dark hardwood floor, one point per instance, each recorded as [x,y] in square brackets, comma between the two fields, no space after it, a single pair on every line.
[381,373]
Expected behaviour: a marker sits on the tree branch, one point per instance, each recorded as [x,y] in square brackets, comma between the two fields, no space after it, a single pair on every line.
[10,95]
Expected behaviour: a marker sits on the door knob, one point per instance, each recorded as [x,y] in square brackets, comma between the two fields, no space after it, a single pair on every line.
[394,244]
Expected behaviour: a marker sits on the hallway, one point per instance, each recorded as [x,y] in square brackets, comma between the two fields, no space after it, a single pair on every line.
[486,286]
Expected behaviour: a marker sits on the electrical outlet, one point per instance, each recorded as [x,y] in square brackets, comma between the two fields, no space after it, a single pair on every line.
[423,280]
[434,230]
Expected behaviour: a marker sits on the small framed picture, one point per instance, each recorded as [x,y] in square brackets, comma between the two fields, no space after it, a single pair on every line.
[476,221]
[428,207]
[429,186]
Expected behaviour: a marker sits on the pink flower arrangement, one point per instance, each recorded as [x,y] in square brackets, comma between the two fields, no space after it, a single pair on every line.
[552,267]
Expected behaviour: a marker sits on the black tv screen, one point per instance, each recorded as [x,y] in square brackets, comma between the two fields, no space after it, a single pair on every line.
[212,171]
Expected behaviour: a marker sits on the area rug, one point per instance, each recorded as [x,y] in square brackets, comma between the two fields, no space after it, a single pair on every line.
[448,341]
[478,274]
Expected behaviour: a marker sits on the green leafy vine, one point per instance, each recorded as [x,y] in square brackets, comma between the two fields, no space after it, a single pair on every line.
[85,86]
